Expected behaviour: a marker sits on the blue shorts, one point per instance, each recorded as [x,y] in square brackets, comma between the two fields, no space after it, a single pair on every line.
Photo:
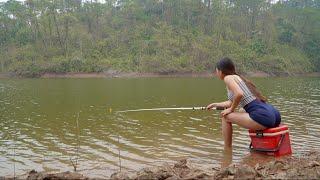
[263,113]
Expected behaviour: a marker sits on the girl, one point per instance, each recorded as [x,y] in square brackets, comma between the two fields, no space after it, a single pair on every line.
[259,115]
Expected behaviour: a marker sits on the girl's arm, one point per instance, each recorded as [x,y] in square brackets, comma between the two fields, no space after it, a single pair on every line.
[225,104]
[237,94]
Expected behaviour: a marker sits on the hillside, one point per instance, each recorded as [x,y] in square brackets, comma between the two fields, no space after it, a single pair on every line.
[158,36]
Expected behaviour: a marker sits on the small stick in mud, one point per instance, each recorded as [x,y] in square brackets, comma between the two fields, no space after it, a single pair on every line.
[75,162]
[14,147]
[119,152]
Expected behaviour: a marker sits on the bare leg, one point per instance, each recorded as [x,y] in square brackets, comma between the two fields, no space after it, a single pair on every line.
[227,134]
[227,158]
[240,118]
[243,119]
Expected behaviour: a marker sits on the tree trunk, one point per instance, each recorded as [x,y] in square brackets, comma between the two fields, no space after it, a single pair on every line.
[38,32]
[57,29]
[66,37]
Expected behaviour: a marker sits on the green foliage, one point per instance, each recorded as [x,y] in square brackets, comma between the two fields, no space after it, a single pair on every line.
[158,36]
[286,31]
[259,47]
[285,36]
[73,65]
[27,69]
[312,49]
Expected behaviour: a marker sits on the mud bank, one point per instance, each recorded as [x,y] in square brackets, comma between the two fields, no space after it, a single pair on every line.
[304,167]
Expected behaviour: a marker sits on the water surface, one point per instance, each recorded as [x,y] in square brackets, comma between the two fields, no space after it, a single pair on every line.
[38,122]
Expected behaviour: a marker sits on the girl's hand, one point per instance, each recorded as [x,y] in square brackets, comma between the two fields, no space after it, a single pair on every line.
[210,106]
[226,112]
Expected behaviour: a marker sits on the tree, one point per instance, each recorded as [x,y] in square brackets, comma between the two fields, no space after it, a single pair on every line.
[162,36]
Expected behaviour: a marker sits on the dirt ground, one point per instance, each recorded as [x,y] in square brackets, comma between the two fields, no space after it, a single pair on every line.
[304,167]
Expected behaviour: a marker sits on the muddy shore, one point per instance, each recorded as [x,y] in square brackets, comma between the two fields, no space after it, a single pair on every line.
[306,166]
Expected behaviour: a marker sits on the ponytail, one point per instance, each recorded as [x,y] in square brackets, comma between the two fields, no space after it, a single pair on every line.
[253,89]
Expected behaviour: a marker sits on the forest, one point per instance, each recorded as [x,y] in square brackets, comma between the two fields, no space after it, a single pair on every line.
[158,36]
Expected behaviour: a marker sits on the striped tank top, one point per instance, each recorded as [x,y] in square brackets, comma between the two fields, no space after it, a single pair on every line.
[247,95]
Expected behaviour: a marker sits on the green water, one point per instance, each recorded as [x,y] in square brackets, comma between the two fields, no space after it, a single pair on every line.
[38,125]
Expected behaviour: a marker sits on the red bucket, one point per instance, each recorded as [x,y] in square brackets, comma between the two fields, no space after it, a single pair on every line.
[272,141]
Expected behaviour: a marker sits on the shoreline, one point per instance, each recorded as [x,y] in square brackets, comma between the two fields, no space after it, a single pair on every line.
[306,166]
[150,75]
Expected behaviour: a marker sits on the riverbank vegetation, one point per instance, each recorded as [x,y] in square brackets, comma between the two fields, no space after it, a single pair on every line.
[158,36]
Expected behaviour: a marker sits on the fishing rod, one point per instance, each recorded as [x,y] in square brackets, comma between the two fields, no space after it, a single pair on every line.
[165,109]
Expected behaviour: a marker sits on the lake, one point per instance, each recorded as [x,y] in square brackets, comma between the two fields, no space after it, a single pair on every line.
[42,122]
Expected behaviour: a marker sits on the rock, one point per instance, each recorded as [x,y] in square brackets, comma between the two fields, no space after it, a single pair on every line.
[65,175]
[181,169]
[162,174]
[200,175]
[280,175]
[231,170]
[34,175]
[258,167]
[313,164]
[181,164]
[278,165]
[224,173]
[245,172]
[120,176]
[145,173]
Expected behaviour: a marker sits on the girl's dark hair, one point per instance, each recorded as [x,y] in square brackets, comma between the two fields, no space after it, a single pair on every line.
[226,66]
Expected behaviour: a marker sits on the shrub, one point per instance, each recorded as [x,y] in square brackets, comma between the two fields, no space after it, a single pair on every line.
[29,70]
